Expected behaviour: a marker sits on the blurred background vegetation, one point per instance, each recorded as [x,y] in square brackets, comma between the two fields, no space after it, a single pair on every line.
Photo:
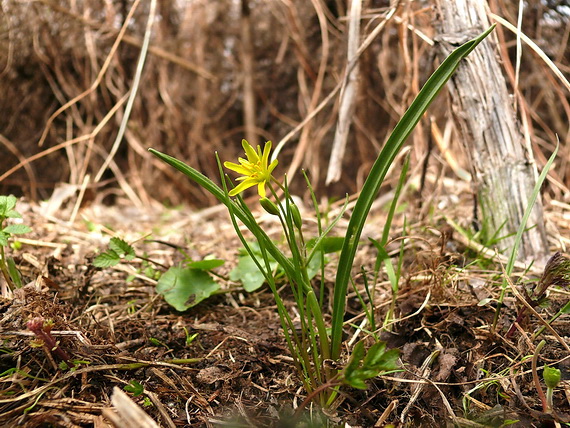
[194,93]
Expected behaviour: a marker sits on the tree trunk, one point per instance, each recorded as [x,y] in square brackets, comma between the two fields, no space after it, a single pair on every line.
[503,169]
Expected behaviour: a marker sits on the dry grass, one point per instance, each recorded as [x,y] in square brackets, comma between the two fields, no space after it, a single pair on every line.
[68,68]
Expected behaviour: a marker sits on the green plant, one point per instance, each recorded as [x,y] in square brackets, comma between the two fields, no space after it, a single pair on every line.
[367,365]
[383,257]
[42,329]
[491,380]
[7,264]
[76,365]
[252,278]
[182,286]
[556,273]
[564,310]
[119,250]
[551,378]
[189,283]
[376,176]
[189,337]
[362,366]
[312,345]
[134,387]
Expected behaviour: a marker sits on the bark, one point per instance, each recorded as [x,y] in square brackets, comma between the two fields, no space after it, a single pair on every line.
[503,169]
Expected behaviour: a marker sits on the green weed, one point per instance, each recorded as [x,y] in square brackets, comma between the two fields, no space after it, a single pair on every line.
[182,286]
[7,265]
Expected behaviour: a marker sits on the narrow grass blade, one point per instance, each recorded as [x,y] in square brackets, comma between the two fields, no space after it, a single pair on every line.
[520,231]
[374,180]
[394,203]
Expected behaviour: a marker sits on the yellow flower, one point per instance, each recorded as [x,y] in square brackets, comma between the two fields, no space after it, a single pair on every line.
[254,169]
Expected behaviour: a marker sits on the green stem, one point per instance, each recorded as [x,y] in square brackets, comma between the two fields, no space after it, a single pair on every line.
[319,321]
[549,398]
[320,231]
[4,268]
[565,309]
[331,384]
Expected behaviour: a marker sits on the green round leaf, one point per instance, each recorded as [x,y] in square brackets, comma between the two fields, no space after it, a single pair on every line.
[551,376]
[183,288]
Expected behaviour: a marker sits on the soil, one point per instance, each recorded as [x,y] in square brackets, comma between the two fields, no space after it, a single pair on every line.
[117,332]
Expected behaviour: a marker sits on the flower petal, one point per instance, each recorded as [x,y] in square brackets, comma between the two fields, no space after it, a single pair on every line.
[254,170]
[265,156]
[272,166]
[242,186]
[237,168]
[250,153]
[261,189]
[245,162]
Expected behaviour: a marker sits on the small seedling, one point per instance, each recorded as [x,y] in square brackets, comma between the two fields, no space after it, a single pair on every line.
[552,378]
[119,250]
[131,306]
[182,286]
[362,367]
[563,311]
[189,337]
[492,380]
[24,374]
[134,388]
[42,329]
[76,363]
[556,273]
[7,265]
[155,342]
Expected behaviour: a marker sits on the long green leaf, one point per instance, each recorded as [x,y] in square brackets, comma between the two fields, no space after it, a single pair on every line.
[372,185]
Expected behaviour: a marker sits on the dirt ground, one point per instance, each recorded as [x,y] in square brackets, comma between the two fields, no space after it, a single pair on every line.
[237,371]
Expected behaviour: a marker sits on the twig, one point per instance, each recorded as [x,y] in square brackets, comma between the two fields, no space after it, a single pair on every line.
[133,91]
[535,376]
[97,81]
[537,315]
